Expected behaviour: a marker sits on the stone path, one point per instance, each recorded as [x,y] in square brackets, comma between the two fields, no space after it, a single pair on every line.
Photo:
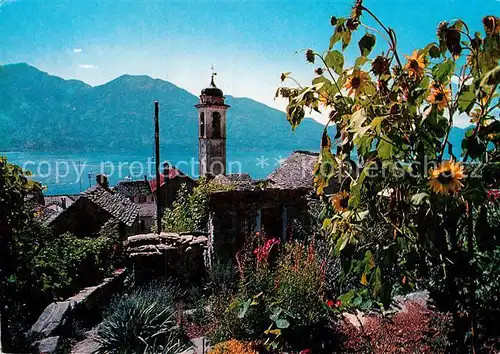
[200,346]
[90,345]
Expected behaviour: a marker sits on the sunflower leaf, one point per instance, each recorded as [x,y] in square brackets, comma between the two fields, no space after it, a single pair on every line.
[366,44]
[443,71]
[335,60]
[384,149]
[466,101]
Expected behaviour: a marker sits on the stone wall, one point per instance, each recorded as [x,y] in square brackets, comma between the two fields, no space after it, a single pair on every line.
[167,255]
[56,321]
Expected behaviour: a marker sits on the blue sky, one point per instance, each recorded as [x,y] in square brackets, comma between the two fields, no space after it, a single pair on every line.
[249,42]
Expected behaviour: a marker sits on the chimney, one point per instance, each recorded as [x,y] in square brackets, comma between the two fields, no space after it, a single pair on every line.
[63,202]
[102,180]
[166,169]
[146,178]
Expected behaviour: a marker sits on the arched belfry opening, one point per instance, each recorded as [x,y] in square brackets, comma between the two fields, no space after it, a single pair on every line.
[202,125]
[216,117]
[212,130]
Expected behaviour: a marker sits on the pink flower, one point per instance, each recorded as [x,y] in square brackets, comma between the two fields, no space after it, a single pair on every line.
[305,351]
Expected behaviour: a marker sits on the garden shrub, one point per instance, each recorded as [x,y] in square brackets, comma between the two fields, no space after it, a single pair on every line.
[144,321]
[189,211]
[68,263]
[47,268]
[280,300]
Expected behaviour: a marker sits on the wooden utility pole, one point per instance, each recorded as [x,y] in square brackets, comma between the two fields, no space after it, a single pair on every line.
[157,166]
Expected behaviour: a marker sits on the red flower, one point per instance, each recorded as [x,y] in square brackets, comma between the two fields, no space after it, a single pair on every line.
[493,195]
[330,303]
[305,351]
[338,303]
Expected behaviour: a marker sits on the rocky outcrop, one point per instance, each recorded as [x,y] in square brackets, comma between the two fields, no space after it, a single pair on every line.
[55,323]
[168,254]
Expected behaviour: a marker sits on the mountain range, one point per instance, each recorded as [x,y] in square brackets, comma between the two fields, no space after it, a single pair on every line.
[41,112]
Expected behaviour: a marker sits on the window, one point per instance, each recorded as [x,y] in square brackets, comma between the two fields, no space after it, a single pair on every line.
[202,124]
[216,133]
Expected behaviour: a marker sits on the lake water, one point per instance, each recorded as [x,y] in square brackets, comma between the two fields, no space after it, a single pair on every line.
[70,172]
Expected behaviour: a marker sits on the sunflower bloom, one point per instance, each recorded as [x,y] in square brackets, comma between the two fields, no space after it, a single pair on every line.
[446,177]
[340,201]
[356,82]
[415,65]
[439,96]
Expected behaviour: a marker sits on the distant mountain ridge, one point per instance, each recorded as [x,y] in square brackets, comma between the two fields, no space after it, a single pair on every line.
[41,112]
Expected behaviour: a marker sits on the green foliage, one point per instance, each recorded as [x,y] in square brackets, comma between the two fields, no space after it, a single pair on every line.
[189,212]
[144,321]
[412,217]
[42,267]
[68,263]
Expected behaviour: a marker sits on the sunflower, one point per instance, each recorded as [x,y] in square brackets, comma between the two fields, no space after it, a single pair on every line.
[356,82]
[340,201]
[439,95]
[445,178]
[415,65]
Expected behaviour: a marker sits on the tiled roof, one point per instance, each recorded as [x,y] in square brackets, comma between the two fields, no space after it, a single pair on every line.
[133,188]
[240,181]
[295,172]
[116,204]
[46,214]
[60,199]
[172,173]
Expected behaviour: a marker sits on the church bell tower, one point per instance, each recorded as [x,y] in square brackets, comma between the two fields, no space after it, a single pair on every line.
[212,131]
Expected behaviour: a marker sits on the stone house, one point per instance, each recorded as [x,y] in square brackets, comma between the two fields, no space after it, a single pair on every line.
[140,193]
[96,208]
[267,206]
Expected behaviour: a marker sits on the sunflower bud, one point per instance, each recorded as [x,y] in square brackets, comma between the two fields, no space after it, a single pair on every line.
[333,21]
[319,71]
[380,65]
[453,42]
[310,56]
[357,9]
[441,30]
[283,77]
[490,24]
[476,42]
[434,51]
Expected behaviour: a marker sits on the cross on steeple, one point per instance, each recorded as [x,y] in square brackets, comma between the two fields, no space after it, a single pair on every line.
[212,83]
